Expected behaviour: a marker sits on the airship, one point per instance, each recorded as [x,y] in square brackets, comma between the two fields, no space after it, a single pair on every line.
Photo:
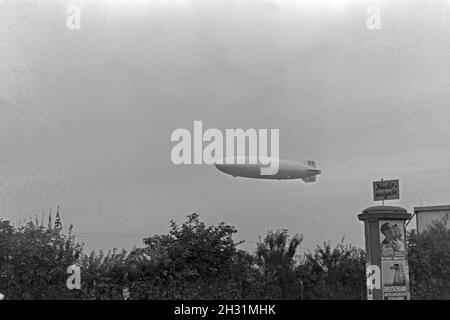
[252,167]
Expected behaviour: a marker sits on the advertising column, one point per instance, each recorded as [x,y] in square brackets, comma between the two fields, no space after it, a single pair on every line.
[386,252]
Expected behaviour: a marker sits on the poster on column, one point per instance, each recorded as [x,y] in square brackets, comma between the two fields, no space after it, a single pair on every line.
[392,240]
[395,280]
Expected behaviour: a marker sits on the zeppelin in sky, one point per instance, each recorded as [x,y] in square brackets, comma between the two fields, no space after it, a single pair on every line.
[253,167]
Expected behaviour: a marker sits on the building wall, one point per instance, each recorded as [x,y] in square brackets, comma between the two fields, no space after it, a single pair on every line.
[425,215]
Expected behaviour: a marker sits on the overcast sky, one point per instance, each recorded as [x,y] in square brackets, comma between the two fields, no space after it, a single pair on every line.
[86,115]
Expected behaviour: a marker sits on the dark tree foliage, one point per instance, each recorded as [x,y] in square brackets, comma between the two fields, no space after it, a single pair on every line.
[196,261]
[333,273]
[33,262]
[276,257]
[429,262]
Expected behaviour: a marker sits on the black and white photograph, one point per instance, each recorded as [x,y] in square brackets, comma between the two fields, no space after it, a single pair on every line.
[249,151]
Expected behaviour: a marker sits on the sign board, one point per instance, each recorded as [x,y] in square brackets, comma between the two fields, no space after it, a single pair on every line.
[386,190]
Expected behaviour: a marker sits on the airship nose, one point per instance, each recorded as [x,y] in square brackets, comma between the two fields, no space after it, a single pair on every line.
[219,166]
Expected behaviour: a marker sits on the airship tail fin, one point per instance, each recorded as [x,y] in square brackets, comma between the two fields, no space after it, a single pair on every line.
[309,179]
[310,163]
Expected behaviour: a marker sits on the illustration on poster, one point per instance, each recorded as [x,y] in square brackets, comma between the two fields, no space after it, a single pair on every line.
[393,242]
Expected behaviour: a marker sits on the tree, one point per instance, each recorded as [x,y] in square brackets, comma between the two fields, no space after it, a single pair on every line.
[429,262]
[276,257]
[337,273]
[195,260]
[34,260]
